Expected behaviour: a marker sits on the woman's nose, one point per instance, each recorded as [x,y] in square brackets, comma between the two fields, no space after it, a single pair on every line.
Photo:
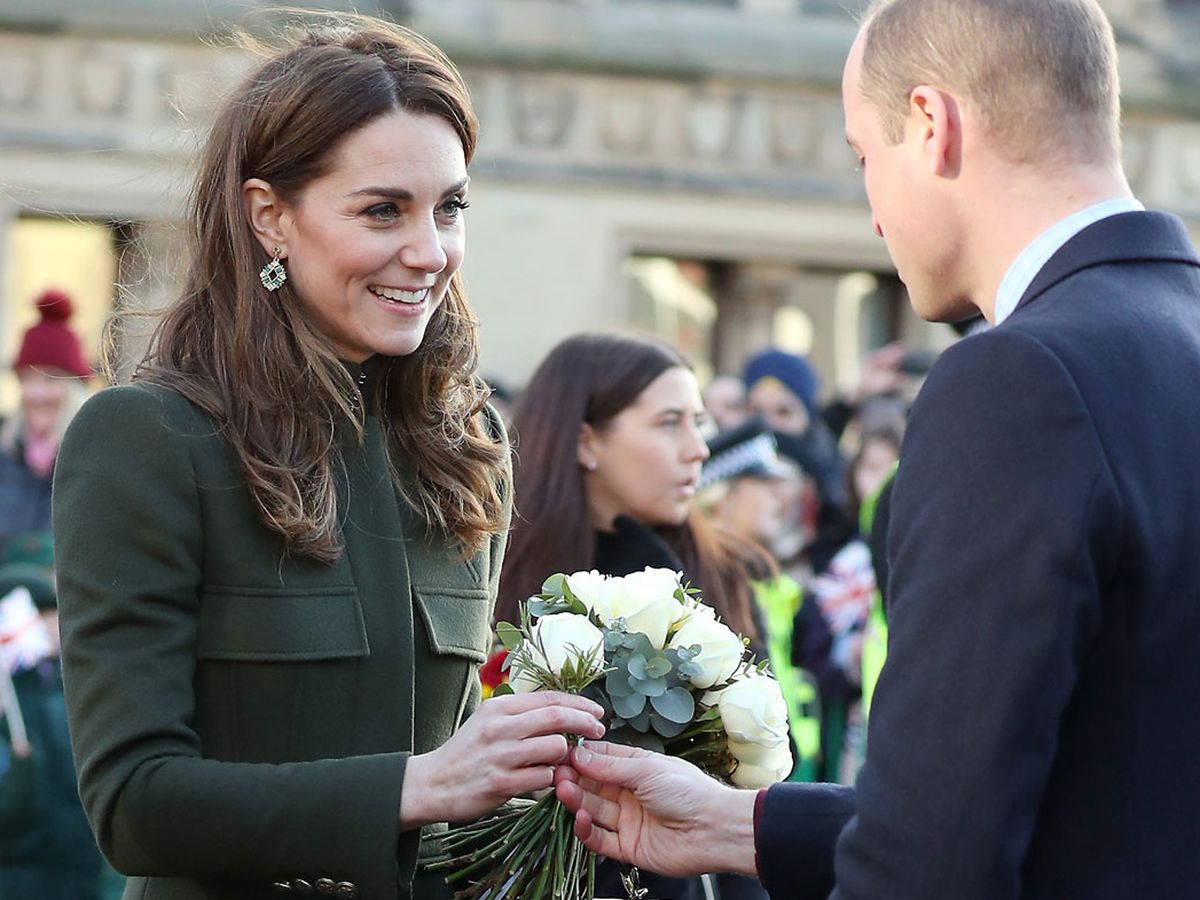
[423,250]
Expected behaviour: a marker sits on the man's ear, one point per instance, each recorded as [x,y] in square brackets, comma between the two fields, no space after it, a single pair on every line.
[269,218]
[934,116]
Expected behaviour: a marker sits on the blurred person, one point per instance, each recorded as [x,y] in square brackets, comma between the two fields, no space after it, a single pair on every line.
[610,451]
[725,399]
[872,465]
[1027,737]
[277,550]
[52,371]
[46,847]
[784,389]
[740,493]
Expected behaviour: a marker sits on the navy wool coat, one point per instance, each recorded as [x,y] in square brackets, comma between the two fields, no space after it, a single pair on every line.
[1033,733]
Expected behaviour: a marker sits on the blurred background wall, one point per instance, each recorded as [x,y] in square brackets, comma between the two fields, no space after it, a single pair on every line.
[671,166]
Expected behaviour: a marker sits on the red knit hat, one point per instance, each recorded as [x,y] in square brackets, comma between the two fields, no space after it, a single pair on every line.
[50,344]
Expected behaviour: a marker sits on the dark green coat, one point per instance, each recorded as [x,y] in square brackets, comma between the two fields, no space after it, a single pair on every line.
[239,716]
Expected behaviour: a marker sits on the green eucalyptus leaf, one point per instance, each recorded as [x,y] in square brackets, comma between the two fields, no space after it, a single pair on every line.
[642,645]
[555,585]
[656,668]
[677,705]
[503,690]
[664,727]
[510,635]
[689,669]
[637,667]
[612,640]
[617,684]
[651,687]
[641,722]
[629,707]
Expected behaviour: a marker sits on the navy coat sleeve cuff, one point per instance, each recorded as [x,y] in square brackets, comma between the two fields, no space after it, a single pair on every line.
[796,827]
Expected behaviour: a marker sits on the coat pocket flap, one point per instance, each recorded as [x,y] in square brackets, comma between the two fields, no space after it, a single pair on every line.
[250,625]
[458,620]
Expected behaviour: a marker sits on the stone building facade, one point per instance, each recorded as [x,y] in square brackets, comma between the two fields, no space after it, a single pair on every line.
[668,165]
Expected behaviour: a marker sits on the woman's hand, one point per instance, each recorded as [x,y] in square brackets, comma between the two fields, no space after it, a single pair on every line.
[509,746]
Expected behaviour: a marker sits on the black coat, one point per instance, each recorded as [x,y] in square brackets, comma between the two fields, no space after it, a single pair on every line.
[1032,733]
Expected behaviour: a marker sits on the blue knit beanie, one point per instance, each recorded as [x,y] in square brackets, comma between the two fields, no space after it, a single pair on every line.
[793,371]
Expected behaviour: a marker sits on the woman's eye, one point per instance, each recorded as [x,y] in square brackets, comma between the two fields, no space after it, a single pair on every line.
[384,212]
[454,206]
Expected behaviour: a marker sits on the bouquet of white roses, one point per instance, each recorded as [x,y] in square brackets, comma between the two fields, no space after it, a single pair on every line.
[671,678]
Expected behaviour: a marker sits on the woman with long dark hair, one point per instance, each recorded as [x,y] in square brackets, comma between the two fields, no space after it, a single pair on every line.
[278,548]
[609,451]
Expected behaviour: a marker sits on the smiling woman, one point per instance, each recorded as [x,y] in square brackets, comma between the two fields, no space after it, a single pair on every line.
[271,627]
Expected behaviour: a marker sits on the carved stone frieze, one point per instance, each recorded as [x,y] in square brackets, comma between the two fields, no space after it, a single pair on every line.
[20,73]
[148,99]
[101,80]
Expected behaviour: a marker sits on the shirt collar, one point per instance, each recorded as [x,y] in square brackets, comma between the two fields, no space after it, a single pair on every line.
[1031,260]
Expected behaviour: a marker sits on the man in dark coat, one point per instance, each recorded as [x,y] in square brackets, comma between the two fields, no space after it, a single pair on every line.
[1030,734]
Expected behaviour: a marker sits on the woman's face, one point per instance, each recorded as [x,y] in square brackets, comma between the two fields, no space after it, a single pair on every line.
[645,462]
[42,397]
[753,509]
[371,245]
[873,465]
[782,410]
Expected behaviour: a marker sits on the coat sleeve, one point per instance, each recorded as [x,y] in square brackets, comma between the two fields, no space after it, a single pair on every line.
[1006,522]
[129,542]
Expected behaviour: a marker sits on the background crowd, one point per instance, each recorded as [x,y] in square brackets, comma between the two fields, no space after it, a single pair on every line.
[760,489]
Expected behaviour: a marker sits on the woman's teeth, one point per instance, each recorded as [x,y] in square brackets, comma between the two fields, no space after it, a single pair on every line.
[398,296]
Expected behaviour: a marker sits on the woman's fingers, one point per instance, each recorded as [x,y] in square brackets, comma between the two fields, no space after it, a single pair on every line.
[553,720]
[514,704]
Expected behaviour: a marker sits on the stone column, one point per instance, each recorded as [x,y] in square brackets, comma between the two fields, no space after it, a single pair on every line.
[8,301]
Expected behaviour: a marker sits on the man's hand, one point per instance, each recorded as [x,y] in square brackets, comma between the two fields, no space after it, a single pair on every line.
[657,812]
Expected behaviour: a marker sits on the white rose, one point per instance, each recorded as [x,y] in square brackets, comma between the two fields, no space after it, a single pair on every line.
[588,588]
[753,711]
[654,583]
[774,765]
[646,600]
[694,609]
[720,649]
[566,636]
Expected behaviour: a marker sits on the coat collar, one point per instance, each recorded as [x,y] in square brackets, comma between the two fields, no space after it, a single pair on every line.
[1126,237]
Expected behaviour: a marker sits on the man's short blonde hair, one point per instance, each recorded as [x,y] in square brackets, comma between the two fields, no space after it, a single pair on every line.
[1040,74]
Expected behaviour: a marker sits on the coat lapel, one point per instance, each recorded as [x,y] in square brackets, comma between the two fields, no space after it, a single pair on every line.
[1127,237]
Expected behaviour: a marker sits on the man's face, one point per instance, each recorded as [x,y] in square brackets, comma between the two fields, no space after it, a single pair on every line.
[909,206]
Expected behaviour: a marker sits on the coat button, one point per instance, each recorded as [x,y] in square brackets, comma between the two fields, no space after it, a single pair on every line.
[324,885]
[303,888]
[346,890]
[282,887]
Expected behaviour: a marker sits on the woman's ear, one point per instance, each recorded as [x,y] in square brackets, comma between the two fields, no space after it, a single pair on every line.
[269,218]
[585,451]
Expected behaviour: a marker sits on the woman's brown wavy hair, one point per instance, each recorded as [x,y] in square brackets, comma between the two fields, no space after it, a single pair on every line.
[591,378]
[254,361]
